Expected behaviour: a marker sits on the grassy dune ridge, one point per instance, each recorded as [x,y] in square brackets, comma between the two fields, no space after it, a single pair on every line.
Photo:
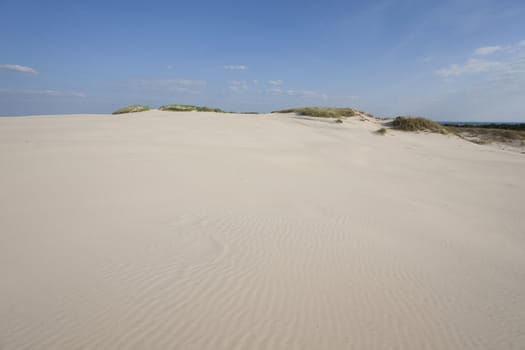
[483,134]
[189,108]
[131,109]
[323,112]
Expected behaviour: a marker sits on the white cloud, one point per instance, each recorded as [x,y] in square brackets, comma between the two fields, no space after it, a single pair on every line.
[163,86]
[238,85]
[299,93]
[275,82]
[18,68]
[471,66]
[484,89]
[169,83]
[425,59]
[235,67]
[312,94]
[51,93]
[510,61]
[487,50]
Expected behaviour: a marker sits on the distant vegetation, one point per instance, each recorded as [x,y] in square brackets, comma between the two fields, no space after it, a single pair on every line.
[409,123]
[189,108]
[322,112]
[513,134]
[131,109]
[503,126]
[230,112]
[483,134]
[479,133]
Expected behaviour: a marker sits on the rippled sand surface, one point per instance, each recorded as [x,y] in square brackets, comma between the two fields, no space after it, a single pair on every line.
[162,230]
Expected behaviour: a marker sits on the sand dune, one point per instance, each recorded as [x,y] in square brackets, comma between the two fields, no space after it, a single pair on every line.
[163,230]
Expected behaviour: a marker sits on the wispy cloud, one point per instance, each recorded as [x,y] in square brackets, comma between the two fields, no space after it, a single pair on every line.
[236,67]
[170,82]
[483,88]
[18,68]
[471,66]
[487,50]
[425,59]
[296,93]
[170,85]
[509,59]
[50,93]
[238,85]
[312,94]
[276,82]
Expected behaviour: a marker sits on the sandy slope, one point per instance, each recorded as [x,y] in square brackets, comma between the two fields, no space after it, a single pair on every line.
[164,230]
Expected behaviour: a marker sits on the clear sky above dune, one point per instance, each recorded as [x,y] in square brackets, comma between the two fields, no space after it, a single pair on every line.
[447,60]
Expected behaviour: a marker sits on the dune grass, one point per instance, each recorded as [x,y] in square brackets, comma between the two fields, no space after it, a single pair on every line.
[131,109]
[381,131]
[189,108]
[409,123]
[322,112]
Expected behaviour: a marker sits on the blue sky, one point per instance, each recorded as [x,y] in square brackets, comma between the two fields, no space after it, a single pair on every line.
[447,60]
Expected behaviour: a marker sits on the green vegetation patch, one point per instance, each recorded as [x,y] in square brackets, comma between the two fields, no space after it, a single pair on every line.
[408,123]
[381,131]
[189,108]
[131,109]
[322,112]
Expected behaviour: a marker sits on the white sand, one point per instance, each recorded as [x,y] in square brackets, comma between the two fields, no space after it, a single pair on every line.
[163,230]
